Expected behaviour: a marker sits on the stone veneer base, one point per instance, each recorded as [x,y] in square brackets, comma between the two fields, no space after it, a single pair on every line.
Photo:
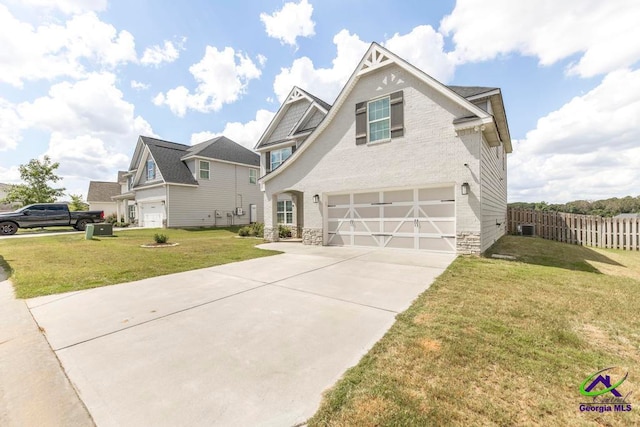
[312,236]
[468,243]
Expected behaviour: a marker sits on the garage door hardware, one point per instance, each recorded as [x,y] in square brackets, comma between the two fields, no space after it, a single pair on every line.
[380,203]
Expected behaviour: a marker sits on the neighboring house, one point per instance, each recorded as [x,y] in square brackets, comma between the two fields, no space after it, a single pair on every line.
[400,160]
[214,183]
[100,194]
[627,216]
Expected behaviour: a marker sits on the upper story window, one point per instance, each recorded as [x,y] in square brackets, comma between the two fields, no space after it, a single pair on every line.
[279,156]
[379,120]
[151,170]
[253,176]
[204,169]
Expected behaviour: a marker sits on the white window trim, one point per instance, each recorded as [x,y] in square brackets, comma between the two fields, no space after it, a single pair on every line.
[284,211]
[200,170]
[155,173]
[388,118]
[279,152]
[253,176]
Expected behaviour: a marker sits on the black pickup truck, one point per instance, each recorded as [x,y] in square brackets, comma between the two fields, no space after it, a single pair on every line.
[46,215]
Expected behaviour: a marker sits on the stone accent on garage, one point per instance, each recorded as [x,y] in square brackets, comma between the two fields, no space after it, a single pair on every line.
[468,242]
[295,232]
[271,234]
[312,236]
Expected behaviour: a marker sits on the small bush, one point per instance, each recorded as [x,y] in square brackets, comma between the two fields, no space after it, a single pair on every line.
[284,231]
[111,219]
[160,238]
[121,224]
[257,229]
[244,231]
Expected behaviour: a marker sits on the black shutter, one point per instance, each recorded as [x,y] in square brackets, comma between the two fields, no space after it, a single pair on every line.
[397,114]
[293,149]
[361,123]
[268,162]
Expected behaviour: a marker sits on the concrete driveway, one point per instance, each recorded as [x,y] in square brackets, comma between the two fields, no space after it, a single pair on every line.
[250,343]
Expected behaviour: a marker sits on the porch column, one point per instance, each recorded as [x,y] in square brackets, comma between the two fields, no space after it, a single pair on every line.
[271,218]
[118,211]
[125,208]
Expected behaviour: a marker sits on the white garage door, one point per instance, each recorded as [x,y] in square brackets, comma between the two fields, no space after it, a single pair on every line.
[420,218]
[152,214]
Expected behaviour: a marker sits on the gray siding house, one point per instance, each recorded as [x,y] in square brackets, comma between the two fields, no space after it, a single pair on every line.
[400,160]
[214,183]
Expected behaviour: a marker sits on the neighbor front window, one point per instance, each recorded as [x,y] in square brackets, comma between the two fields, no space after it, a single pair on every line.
[379,119]
[151,170]
[279,156]
[285,212]
[253,176]
[204,169]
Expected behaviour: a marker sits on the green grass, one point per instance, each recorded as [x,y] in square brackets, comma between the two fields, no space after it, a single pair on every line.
[54,264]
[496,342]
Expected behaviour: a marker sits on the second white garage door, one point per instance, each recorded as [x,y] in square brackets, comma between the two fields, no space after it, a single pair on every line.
[152,214]
[420,218]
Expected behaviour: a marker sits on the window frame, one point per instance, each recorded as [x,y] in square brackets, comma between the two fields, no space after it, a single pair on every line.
[279,152]
[253,176]
[151,170]
[200,169]
[387,119]
[284,212]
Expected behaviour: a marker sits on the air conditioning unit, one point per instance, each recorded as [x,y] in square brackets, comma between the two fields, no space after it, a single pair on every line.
[239,211]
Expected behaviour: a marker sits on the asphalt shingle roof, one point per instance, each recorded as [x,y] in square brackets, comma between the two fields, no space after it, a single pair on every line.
[168,156]
[102,191]
[324,105]
[469,91]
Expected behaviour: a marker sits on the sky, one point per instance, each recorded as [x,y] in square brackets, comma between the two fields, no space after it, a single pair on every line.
[80,80]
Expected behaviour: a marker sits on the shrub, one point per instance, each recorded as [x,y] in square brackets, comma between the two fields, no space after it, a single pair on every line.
[256,229]
[244,231]
[284,231]
[160,238]
[111,219]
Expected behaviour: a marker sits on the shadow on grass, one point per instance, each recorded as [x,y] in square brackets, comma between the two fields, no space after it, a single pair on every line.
[231,228]
[6,270]
[535,250]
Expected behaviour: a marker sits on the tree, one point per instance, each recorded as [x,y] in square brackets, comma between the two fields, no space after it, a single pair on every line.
[36,175]
[77,204]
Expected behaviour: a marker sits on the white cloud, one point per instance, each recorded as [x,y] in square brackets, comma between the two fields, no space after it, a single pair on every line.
[222,77]
[600,32]
[10,175]
[68,6]
[10,126]
[290,22]
[156,55]
[139,85]
[245,134]
[422,47]
[52,50]
[587,149]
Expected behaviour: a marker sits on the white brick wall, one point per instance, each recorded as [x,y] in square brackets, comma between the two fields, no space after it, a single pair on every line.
[430,153]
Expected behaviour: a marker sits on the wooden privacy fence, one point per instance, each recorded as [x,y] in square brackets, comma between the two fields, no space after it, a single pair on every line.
[588,230]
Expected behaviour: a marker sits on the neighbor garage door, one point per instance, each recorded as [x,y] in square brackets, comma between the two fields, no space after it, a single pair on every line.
[419,218]
[152,214]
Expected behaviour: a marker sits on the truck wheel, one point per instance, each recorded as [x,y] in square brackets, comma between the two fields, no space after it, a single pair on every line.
[8,228]
[81,225]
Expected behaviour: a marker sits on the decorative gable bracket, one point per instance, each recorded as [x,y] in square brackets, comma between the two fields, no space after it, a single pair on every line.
[376,58]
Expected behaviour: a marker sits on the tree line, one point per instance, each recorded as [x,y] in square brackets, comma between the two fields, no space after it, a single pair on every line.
[606,207]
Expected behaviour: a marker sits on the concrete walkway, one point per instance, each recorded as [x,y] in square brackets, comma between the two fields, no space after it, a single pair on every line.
[34,390]
[249,343]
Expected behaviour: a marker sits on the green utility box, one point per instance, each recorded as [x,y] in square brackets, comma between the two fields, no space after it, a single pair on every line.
[102,229]
[88,232]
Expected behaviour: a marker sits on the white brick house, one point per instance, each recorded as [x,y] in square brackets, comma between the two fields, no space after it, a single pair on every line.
[400,160]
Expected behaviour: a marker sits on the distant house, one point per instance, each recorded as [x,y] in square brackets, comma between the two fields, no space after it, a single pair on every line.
[99,196]
[399,161]
[214,183]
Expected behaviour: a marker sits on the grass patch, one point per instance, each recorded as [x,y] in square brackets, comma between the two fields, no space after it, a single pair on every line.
[54,264]
[497,342]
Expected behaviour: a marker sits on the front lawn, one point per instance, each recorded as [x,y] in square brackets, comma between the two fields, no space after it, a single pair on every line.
[54,264]
[496,342]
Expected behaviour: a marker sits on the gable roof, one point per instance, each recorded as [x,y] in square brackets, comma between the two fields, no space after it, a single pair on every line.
[471,91]
[376,58]
[167,156]
[296,94]
[102,191]
[222,148]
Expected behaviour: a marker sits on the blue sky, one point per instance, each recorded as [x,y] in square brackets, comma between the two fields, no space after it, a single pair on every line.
[81,79]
